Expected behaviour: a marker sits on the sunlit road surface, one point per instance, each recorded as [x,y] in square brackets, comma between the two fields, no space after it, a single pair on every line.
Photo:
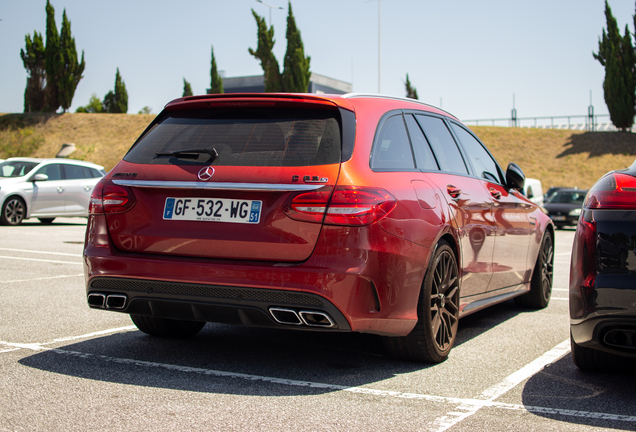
[64,366]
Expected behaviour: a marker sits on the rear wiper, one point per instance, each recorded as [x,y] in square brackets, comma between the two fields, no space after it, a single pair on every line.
[191,153]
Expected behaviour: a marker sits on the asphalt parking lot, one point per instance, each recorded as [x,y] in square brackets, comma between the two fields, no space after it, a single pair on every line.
[64,366]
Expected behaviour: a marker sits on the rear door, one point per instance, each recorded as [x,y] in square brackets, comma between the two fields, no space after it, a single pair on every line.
[78,187]
[234,205]
[470,202]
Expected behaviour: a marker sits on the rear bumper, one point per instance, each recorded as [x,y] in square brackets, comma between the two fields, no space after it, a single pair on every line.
[616,335]
[210,303]
[367,285]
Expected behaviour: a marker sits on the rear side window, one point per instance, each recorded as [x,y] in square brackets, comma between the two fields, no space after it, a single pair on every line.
[423,154]
[74,172]
[484,165]
[392,150]
[245,137]
[443,144]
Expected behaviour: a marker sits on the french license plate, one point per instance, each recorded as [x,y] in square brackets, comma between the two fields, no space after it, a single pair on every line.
[212,210]
[558,218]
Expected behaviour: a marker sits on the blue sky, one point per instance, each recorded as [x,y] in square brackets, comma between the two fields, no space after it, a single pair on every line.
[469,56]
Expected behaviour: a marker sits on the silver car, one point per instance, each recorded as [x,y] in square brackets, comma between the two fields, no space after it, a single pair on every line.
[45,188]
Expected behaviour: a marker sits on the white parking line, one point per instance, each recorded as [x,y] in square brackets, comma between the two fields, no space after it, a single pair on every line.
[486,399]
[42,278]
[40,252]
[40,260]
[464,411]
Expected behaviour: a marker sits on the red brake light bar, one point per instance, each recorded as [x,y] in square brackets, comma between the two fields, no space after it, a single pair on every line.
[108,198]
[349,205]
[614,191]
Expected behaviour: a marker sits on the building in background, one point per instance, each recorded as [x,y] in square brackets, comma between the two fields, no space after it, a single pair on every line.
[256,84]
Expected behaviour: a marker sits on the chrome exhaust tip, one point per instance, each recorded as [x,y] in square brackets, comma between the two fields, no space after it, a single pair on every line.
[116,301]
[621,338]
[96,300]
[316,319]
[285,316]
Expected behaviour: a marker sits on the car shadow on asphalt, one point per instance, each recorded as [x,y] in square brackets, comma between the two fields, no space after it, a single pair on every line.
[586,398]
[227,352]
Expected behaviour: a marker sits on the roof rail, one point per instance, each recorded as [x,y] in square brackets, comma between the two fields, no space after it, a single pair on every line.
[379,96]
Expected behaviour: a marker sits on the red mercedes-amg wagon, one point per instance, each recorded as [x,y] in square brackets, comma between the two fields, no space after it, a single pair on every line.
[348,213]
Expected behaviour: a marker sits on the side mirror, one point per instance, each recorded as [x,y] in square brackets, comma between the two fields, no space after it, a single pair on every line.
[39,177]
[515,178]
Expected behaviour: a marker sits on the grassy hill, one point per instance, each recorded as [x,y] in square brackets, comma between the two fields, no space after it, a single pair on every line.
[556,157]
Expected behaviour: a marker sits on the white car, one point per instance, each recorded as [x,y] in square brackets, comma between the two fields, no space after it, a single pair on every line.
[533,190]
[45,188]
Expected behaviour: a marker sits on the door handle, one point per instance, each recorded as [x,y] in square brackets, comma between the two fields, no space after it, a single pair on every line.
[495,193]
[453,191]
[60,189]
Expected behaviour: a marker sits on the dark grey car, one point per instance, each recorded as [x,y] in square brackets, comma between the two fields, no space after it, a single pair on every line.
[564,206]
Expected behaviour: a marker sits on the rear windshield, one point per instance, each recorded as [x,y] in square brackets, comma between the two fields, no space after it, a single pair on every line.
[243,137]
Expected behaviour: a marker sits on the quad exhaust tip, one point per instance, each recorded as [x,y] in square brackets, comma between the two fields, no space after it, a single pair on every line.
[308,318]
[107,301]
[620,338]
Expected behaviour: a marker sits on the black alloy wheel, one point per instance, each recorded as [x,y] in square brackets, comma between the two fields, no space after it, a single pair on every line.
[542,277]
[438,313]
[444,302]
[13,211]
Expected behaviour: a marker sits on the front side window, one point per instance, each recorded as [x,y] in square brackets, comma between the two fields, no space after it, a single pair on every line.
[243,137]
[484,165]
[443,144]
[392,150]
[53,171]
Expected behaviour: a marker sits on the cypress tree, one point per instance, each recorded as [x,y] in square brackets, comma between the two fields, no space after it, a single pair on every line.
[216,82]
[264,52]
[296,72]
[33,58]
[411,92]
[616,53]
[71,70]
[53,60]
[187,89]
[117,101]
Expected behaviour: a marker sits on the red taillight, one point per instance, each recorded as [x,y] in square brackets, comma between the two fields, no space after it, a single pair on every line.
[108,198]
[614,191]
[349,205]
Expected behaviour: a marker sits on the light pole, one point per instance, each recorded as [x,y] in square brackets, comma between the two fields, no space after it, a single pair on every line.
[270,10]
[379,48]
[379,51]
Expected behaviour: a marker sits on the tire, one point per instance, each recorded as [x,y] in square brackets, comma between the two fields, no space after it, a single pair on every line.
[46,221]
[438,313]
[166,328]
[593,360]
[542,277]
[13,211]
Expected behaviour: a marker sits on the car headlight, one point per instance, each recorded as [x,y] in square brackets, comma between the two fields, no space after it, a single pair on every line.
[575,212]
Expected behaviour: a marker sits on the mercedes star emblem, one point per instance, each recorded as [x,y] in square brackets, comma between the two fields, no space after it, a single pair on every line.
[206,173]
